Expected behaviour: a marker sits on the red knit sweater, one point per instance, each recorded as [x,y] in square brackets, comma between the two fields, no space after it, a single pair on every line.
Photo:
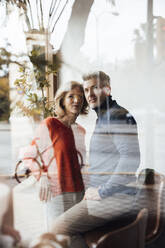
[69,174]
[56,144]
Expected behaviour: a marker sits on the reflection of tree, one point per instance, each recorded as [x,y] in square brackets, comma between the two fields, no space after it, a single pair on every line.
[140,39]
[34,12]
[140,34]
[140,46]
[4,99]
[32,85]
[6,58]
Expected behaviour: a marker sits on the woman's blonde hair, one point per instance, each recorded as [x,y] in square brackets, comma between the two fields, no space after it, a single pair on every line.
[60,96]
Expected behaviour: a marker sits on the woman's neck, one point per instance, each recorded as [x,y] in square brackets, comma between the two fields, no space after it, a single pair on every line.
[67,120]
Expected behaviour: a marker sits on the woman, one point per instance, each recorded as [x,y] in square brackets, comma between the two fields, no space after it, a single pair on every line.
[59,181]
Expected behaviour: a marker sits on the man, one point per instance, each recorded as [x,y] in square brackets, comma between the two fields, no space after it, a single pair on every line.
[8,235]
[114,150]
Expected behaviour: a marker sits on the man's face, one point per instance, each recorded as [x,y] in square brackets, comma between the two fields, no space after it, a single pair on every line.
[95,92]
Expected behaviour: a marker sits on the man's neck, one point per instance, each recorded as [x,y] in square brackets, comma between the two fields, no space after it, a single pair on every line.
[106,105]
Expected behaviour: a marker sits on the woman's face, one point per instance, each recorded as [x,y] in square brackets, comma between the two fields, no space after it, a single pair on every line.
[73,101]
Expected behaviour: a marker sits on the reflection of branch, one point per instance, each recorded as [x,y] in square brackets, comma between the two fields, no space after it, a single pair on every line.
[27,21]
[42,20]
[6,58]
[16,62]
[30,9]
[43,103]
[8,61]
[55,11]
[52,7]
[56,6]
[38,14]
[60,14]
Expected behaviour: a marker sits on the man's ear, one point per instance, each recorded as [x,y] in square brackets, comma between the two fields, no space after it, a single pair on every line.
[107,90]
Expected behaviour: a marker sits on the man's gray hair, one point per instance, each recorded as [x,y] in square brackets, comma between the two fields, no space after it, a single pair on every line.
[99,75]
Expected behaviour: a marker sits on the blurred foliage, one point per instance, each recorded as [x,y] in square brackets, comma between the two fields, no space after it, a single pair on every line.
[6,58]
[4,99]
[33,84]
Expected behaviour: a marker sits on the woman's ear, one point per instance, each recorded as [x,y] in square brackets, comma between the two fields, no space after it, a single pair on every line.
[62,104]
[107,90]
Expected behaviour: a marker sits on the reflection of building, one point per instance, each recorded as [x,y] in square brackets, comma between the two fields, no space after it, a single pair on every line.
[160,38]
[140,53]
[151,138]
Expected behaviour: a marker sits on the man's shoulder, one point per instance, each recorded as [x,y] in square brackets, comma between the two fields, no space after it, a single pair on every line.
[115,105]
[119,113]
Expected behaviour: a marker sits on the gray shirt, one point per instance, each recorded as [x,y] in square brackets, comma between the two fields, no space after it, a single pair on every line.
[114,148]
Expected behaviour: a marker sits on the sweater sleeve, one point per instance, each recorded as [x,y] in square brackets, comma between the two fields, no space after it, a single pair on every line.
[129,160]
[79,137]
[41,148]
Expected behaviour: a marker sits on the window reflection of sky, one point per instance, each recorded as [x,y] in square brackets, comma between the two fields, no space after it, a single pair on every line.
[112,43]
[116,41]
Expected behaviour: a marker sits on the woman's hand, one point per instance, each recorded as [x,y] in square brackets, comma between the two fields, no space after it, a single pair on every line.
[92,194]
[44,188]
